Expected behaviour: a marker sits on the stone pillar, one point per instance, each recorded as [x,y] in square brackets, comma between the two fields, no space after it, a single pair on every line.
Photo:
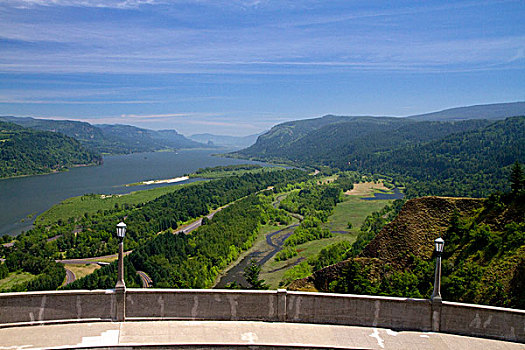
[120,305]
[436,304]
[437,278]
[120,287]
[281,305]
[120,278]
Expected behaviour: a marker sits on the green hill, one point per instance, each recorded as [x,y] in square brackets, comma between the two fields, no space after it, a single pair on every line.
[273,144]
[473,163]
[483,261]
[462,158]
[335,141]
[131,139]
[27,152]
[114,139]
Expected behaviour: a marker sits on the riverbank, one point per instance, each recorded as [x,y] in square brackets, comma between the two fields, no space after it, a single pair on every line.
[157,182]
[26,195]
[53,171]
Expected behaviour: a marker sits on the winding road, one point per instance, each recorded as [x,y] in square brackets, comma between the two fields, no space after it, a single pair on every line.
[70,277]
[147,282]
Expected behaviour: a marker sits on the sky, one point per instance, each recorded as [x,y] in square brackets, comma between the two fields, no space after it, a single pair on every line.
[238,67]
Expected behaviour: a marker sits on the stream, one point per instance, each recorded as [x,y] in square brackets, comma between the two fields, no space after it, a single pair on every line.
[235,274]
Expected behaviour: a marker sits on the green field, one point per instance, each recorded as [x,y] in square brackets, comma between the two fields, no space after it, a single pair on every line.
[91,203]
[81,270]
[272,272]
[355,210]
[15,278]
[352,209]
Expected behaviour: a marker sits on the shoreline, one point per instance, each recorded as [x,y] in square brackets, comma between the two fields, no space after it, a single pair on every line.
[156,182]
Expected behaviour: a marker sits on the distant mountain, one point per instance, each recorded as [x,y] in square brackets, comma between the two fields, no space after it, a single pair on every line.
[332,140]
[175,140]
[114,139]
[490,111]
[226,141]
[272,145]
[336,141]
[455,158]
[25,151]
[81,131]
[145,140]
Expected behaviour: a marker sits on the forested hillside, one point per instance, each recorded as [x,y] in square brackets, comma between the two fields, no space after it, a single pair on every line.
[315,140]
[131,139]
[271,144]
[27,152]
[483,260]
[466,158]
[337,144]
[473,163]
[114,139]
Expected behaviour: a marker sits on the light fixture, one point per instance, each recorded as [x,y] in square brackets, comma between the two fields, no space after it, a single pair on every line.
[439,242]
[121,230]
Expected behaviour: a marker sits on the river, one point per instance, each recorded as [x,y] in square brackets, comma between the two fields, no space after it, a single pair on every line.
[23,198]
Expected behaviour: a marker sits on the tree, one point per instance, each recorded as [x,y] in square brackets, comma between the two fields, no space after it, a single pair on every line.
[251,273]
[517,179]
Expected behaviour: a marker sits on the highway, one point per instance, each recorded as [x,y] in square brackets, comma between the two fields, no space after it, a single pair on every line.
[147,282]
[94,260]
[70,277]
[197,223]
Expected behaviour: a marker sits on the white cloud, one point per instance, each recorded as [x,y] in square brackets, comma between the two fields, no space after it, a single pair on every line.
[198,45]
[119,4]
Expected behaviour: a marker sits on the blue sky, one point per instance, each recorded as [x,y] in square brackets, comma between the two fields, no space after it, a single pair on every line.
[240,66]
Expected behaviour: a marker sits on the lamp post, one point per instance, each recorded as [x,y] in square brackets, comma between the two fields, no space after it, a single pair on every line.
[439,244]
[121,232]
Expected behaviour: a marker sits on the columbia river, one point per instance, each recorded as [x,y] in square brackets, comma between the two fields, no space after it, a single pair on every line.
[23,198]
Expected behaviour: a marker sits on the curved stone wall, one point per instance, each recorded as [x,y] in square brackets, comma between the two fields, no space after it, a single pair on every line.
[274,306]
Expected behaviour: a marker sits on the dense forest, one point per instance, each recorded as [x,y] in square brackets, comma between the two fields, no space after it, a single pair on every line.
[194,260]
[93,235]
[27,152]
[473,163]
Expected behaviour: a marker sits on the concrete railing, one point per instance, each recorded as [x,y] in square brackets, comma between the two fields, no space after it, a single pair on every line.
[273,306]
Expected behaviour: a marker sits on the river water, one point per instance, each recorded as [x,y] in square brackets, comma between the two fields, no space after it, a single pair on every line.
[22,199]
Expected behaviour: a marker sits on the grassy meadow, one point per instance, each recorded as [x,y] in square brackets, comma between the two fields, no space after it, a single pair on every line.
[353,209]
[15,278]
[91,203]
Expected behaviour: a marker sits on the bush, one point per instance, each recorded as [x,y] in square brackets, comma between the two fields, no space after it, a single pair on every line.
[285,254]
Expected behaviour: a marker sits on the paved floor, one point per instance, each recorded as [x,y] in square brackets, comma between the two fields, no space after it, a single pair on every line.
[205,334]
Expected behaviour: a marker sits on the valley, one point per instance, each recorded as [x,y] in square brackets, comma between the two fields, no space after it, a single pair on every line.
[252,226]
